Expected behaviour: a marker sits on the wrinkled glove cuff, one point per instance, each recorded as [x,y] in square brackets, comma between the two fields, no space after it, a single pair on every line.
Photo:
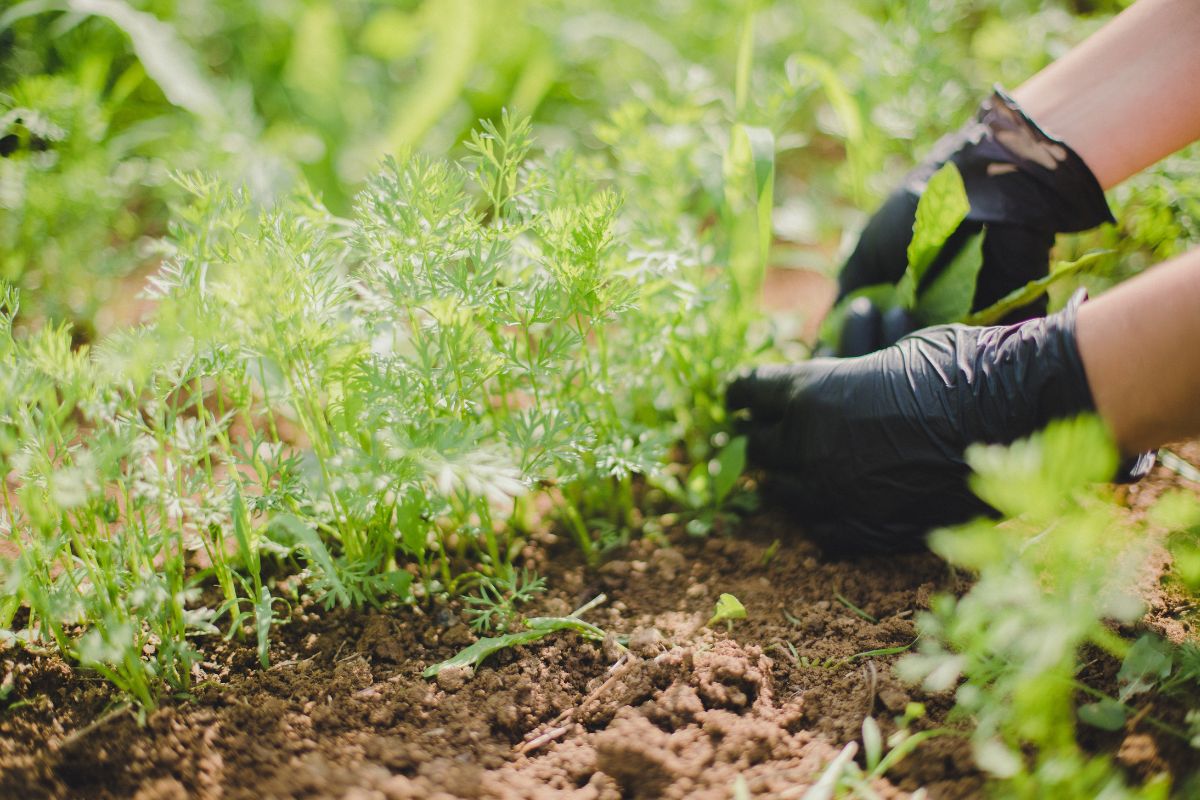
[1047,380]
[1016,172]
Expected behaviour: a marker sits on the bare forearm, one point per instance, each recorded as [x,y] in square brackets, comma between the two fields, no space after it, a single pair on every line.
[1140,345]
[1129,95]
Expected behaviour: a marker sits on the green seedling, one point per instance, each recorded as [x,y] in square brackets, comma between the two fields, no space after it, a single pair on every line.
[495,607]
[1050,578]
[727,609]
[710,492]
[845,778]
[537,628]
[857,611]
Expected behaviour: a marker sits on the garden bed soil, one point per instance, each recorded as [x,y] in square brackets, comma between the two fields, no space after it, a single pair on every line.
[688,711]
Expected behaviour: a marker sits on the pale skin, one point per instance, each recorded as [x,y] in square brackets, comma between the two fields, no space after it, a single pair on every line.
[1129,95]
[1123,100]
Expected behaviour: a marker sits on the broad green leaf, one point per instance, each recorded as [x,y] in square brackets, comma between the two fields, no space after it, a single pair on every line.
[949,297]
[316,552]
[726,468]
[1147,664]
[1107,714]
[942,208]
[728,608]
[167,59]
[241,531]
[882,295]
[1034,289]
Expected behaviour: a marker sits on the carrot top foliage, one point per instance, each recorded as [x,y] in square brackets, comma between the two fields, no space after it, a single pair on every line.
[373,401]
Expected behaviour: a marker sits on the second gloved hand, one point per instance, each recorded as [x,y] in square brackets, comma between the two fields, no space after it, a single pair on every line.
[1023,185]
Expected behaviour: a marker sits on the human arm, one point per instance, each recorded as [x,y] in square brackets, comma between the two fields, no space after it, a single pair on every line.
[1123,99]
[1140,346]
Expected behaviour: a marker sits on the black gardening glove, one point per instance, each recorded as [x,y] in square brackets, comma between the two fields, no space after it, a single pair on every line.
[869,451]
[1023,187]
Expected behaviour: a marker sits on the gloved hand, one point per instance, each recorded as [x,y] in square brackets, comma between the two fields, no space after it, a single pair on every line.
[869,451]
[1023,186]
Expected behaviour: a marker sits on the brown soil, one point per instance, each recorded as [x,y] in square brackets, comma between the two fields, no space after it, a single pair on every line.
[686,711]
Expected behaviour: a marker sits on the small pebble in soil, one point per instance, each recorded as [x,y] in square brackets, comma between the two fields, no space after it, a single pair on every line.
[611,647]
[895,700]
[1137,750]
[451,679]
[645,642]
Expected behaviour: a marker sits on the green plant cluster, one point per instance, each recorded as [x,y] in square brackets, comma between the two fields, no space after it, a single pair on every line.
[1052,577]
[375,402]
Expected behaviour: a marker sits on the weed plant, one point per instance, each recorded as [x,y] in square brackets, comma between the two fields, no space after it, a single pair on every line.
[1053,575]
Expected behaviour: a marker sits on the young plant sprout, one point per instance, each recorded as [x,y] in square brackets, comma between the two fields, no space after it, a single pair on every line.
[727,609]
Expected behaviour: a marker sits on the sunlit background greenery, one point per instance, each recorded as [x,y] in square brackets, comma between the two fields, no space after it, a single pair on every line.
[102,100]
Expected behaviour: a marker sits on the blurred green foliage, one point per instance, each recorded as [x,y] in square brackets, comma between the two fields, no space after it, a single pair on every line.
[101,99]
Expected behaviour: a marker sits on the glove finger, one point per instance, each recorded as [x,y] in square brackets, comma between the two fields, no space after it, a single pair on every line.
[862,329]
[881,253]
[897,323]
[764,391]
[793,491]
[1013,255]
